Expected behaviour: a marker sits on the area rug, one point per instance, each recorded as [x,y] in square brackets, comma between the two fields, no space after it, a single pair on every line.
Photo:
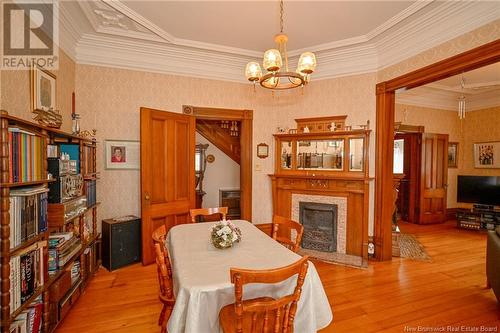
[412,249]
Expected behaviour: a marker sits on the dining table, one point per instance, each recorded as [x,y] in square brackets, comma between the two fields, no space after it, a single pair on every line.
[202,284]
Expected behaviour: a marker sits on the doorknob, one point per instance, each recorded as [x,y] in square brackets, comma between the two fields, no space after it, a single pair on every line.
[146,196]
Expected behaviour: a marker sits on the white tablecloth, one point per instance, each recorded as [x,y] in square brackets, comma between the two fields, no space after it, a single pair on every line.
[202,283]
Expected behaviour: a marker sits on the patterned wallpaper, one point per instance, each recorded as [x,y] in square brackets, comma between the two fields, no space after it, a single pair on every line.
[479,126]
[440,122]
[109,100]
[16,96]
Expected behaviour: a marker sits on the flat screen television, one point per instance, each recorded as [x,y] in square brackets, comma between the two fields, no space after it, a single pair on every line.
[479,190]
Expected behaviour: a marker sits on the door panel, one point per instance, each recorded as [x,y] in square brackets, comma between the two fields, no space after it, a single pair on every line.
[167,172]
[434,178]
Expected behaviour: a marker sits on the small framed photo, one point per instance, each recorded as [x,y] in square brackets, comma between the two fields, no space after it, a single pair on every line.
[452,154]
[262,150]
[487,155]
[43,89]
[122,154]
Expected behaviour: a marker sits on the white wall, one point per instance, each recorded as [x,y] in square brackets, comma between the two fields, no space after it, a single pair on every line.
[222,173]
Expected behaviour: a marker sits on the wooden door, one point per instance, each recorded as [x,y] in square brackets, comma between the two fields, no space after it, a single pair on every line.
[167,172]
[409,189]
[434,178]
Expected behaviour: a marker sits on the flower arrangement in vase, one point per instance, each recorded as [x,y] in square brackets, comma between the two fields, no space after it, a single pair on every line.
[224,234]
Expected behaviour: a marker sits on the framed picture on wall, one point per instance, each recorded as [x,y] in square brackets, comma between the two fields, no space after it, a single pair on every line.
[487,155]
[43,89]
[452,154]
[122,154]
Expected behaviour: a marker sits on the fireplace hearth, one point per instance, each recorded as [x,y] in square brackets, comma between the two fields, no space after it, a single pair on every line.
[320,226]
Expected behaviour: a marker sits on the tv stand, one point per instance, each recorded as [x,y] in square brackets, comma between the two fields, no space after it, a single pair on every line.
[481,217]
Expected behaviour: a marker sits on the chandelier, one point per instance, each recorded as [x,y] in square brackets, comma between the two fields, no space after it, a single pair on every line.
[278,76]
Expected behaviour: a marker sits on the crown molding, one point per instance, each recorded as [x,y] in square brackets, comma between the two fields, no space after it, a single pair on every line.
[447,21]
[69,34]
[393,21]
[447,100]
[400,38]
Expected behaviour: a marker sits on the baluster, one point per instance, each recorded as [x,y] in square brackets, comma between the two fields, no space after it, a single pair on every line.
[277,320]
[254,322]
[285,318]
[266,320]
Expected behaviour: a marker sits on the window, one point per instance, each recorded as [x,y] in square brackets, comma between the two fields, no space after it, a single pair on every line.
[399,149]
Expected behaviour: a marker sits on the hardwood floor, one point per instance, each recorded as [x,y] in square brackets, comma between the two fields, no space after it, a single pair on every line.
[395,296]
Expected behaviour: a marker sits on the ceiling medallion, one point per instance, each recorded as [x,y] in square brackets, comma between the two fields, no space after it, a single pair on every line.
[278,77]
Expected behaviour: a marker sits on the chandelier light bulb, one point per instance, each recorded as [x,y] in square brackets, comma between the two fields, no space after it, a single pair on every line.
[253,71]
[307,63]
[272,60]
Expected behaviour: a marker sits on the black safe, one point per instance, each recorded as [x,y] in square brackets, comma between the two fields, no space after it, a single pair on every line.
[121,242]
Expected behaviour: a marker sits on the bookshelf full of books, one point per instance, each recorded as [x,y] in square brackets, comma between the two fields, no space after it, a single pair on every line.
[49,243]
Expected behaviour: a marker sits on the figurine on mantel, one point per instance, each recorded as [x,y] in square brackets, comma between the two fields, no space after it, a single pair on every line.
[333,126]
[306,129]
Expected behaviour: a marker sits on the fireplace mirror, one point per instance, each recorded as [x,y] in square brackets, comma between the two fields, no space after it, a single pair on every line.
[286,155]
[321,154]
[356,146]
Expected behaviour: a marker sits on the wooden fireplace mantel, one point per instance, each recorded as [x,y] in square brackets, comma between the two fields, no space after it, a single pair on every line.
[354,189]
[326,163]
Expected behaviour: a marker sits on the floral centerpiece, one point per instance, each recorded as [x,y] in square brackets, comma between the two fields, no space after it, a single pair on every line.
[224,234]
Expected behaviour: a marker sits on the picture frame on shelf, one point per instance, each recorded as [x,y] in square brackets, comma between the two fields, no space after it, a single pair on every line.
[452,154]
[122,154]
[487,155]
[43,89]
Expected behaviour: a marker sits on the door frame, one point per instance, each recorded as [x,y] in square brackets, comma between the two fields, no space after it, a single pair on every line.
[246,119]
[478,57]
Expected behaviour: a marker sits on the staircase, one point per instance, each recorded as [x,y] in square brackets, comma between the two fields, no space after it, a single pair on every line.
[221,137]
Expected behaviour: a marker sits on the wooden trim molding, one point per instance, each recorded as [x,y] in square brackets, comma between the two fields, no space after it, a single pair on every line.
[246,118]
[478,57]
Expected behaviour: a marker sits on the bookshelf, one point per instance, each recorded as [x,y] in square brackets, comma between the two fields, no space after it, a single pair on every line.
[27,220]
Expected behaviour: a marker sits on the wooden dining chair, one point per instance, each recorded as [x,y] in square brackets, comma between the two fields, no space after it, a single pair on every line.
[263,314]
[287,232]
[164,269]
[208,214]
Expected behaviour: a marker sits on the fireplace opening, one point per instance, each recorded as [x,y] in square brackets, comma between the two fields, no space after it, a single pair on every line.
[320,226]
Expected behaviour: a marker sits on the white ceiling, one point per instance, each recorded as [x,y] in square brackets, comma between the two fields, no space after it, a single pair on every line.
[215,39]
[252,24]
[481,90]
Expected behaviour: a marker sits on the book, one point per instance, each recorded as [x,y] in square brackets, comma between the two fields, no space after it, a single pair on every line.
[28,214]
[25,155]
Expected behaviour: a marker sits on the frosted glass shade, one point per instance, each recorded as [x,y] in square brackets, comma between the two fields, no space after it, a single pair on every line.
[253,71]
[307,63]
[272,60]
